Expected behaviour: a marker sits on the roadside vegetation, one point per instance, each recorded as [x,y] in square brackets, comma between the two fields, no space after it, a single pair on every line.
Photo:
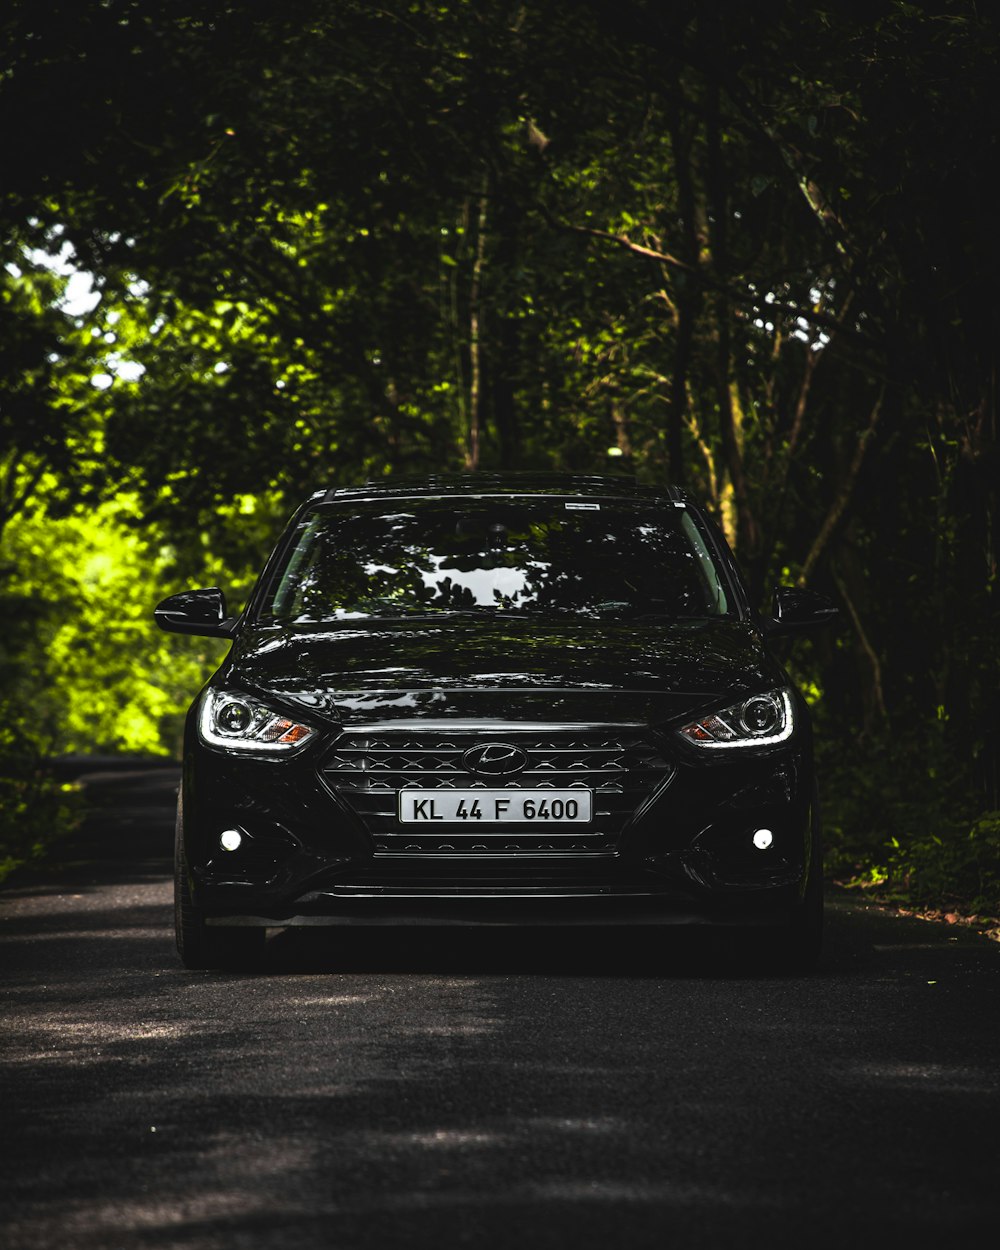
[909,836]
[246,251]
[36,810]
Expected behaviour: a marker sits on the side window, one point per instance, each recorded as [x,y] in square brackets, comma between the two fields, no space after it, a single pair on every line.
[715,593]
[290,586]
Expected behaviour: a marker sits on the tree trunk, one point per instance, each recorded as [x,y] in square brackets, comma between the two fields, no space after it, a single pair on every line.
[747,530]
[475,318]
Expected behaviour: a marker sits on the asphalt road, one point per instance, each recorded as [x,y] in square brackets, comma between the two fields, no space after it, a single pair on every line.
[447,1088]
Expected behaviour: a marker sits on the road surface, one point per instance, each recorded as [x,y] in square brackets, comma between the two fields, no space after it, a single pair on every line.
[484,1088]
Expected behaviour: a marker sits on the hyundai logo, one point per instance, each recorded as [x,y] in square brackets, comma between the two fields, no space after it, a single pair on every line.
[495,759]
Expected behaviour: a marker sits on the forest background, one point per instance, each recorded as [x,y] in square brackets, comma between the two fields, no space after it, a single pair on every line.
[252,249]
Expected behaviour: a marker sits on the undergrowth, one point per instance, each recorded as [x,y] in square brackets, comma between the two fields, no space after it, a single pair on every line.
[905,822]
[36,809]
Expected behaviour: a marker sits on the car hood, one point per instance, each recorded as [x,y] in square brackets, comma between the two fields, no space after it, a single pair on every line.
[502,670]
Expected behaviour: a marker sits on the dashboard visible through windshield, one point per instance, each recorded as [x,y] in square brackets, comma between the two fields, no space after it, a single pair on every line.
[559,557]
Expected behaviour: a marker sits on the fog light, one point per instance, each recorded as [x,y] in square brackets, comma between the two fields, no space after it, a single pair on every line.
[762,839]
[230,839]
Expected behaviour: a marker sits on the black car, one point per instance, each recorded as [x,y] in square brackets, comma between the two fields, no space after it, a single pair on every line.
[497,699]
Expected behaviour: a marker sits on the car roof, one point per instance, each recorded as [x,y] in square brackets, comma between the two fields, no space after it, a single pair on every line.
[485,484]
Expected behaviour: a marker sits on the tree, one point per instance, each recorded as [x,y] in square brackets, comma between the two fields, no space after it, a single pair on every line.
[345,240]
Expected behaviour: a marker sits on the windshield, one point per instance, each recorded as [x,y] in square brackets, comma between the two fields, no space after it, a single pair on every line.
[534,557]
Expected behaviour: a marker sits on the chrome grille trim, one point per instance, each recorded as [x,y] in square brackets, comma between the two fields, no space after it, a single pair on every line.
[621,765]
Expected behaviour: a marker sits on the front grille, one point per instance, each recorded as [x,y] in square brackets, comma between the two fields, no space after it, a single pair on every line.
[622,768]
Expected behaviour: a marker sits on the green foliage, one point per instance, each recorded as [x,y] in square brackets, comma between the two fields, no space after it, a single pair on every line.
[901,822]
[47,421]
[888,789]
[957,868]
[36,810]
[89,671]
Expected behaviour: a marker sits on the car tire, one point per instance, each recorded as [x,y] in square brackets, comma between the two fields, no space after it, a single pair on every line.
[198,944]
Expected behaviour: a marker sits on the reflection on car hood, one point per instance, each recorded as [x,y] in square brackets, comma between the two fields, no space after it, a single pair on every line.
[500,670]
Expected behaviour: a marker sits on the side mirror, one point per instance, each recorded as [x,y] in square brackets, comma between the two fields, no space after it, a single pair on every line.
[795,611]
[195,612]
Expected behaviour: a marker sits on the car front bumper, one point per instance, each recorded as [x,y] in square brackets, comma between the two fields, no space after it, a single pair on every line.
[685,856]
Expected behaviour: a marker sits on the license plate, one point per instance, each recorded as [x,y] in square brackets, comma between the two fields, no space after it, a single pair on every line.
[495,807]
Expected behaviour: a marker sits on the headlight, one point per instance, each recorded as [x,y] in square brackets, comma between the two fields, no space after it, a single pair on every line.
[754,722]
[237,722]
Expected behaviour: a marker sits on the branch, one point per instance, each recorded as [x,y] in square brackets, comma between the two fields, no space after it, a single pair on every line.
[866,646]
[819,205]
[707,279]
[843,496]
[18,483]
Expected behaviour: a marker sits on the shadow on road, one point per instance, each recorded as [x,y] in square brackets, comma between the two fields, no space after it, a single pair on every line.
[651,951]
